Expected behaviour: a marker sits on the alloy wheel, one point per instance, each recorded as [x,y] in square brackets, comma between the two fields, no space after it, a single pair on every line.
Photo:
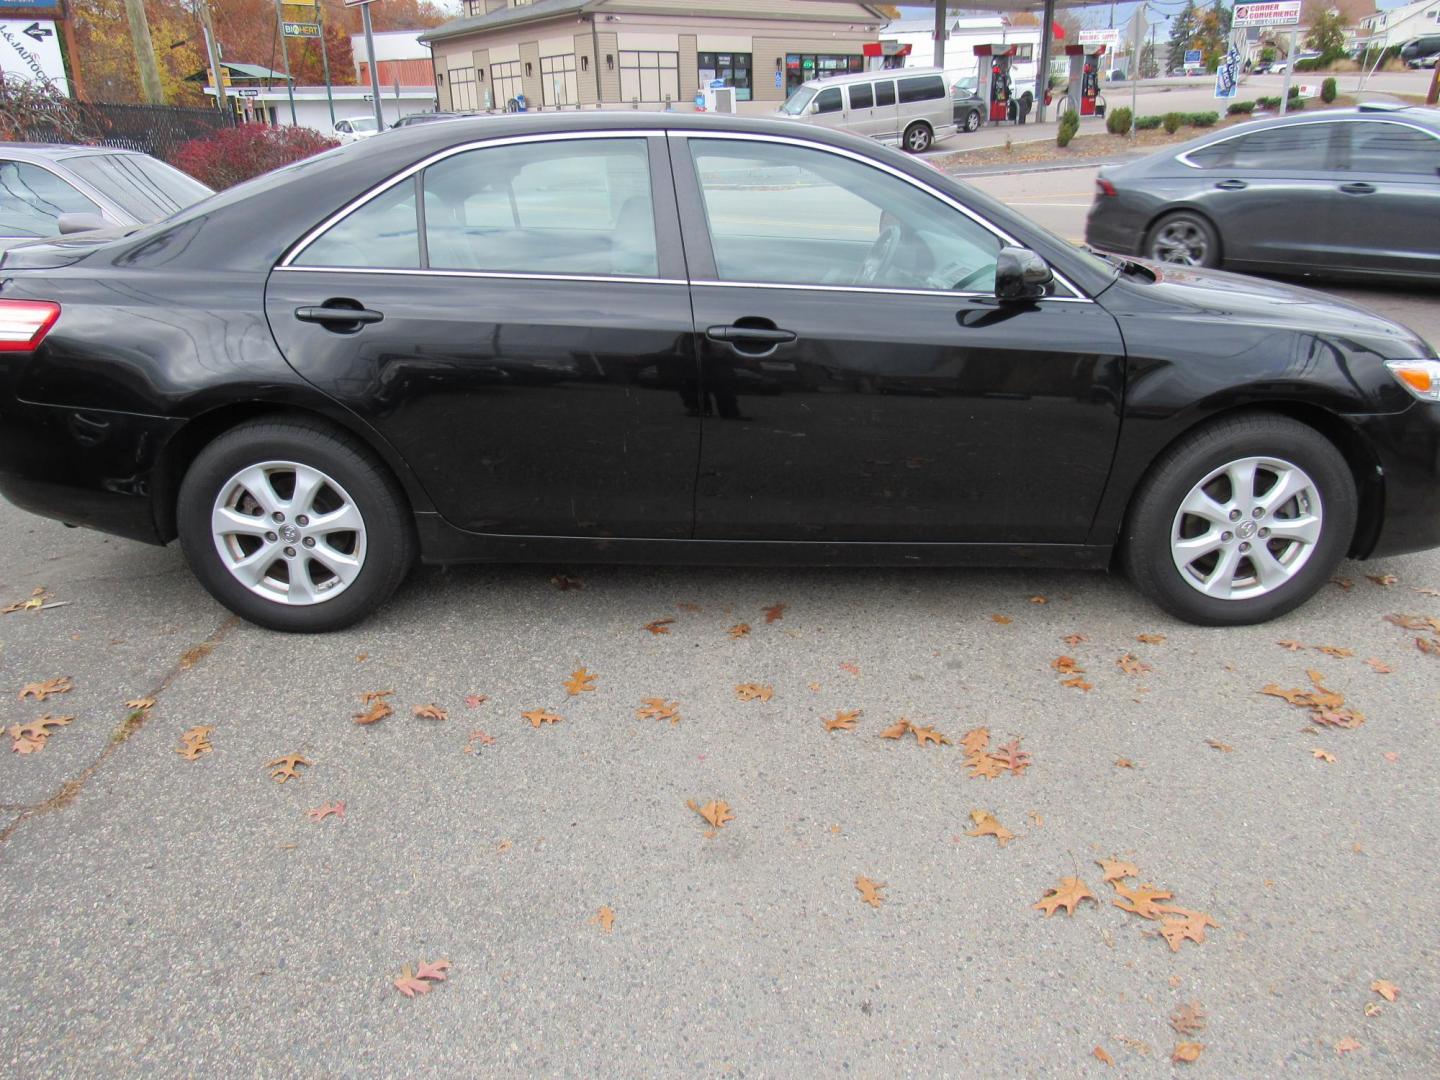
[1247,528]
[288,532]
[1180,242]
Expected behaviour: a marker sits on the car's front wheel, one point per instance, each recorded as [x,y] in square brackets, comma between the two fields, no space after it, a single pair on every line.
[1241,521]
[972,120]
[294,525]
[918,138]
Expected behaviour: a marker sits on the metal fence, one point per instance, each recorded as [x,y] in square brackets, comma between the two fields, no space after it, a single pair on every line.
[158,130]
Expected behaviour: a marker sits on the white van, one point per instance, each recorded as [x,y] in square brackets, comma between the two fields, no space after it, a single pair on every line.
[907,107]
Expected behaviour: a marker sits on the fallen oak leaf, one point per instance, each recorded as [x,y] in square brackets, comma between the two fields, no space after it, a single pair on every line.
[1011,757]
[1388,990]
[738,631]
[716,812]
[1384,580]
[924,735]
[1347,1045]
[774,613]
[1003,620]
[849,668]
[429,712]
[1188,1019]
[1140,900]
[896,730]
[480,737]
[1102,1056]
[1425,590]
[1067,665]
[41,690]
[1074,639]
[1077,683]
[1379,666]
[983,765]
[1341,718]
[1291,646]
[1342,583]
[1150,639]
[1373,1008]
[474,701]
[1429,646]
[976,740]
[1334,650]
[369,697]
[330,809]
[1224,748]
[436,971]
[659,626]
[580,682]
[287,767]
[1038,599]
[1116,870]
[377,712]
[1323,755]
[409,985]
[604,918]
[987,825]
[195,742]
[1131,664]
[140,704]
[1187,1051]
[1189,926]
[843,720]
[1125,763]
[870,891]
[654,708]
[754,692]
[1070,892]
[31,738]
[540,716]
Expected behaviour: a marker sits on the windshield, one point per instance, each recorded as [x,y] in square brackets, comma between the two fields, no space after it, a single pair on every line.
[144,188]
[363,123]
[796,102]
[964,87]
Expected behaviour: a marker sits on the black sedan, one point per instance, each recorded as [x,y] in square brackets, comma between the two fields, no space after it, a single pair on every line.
[1349,193]
[661,338]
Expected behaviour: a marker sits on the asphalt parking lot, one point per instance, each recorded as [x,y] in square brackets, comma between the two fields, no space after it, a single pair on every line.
[187,917]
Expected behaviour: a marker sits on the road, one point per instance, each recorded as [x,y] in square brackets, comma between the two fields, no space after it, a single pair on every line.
[177,918]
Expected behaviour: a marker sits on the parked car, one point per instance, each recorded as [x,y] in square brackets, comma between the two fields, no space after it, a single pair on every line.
[356,128]
[692,338]
[1420,62]
[906,107]
[968,105]
[49,190]
[1425,46]
[1341,193]
[424,118]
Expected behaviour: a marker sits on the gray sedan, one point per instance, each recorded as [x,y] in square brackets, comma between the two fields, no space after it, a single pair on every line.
[1344,192]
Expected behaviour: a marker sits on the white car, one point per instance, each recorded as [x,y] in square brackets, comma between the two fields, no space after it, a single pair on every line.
[356,128]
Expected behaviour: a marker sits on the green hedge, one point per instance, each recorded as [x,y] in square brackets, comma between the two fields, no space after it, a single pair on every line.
[1236,108]
[1328,90]
[1172,121]
[1069,125]
[1147,123]
[1117,121]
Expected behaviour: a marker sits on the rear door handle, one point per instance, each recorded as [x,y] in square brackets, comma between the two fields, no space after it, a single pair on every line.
[1231,185]
[750,333]
[1358,188]
[325,314]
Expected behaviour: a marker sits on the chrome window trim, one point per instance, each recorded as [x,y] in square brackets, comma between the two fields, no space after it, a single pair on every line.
[883,290]
[521,275]
[1184,158]
[954,204]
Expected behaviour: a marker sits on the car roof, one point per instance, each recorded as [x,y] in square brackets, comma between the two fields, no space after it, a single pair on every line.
[29,151]
[865,76]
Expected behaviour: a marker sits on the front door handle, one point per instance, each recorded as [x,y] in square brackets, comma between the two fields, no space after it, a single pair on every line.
[1358,188]
[750,333]
[1231,185]
[339,315]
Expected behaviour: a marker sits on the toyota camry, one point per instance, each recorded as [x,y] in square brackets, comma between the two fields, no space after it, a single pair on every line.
[664,338]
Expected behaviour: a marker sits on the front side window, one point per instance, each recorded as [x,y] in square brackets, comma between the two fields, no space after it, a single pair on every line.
[795,104]
[829,100]
[791,215]
[580,206]
[1391,148]
[32,200]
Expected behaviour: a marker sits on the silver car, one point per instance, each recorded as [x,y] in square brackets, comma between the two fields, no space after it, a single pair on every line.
[49,189]
[1340,193]
[905,107]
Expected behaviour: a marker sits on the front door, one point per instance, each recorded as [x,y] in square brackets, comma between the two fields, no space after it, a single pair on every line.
[526,343]
[860,381]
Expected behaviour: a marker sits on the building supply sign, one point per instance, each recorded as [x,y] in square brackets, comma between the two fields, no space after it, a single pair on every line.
[30,49]
[1280,13]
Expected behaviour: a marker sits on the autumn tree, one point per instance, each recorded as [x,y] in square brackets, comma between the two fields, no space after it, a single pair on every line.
[1327,35]
[1212,33]
[105,56]
[1182,32]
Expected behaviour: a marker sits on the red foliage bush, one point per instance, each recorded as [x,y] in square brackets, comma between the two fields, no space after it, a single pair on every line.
[235,154]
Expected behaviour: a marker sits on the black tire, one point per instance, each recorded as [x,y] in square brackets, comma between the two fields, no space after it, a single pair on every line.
[972,120]
[918,137]
[1186,220]
[389,531]
[1146,541]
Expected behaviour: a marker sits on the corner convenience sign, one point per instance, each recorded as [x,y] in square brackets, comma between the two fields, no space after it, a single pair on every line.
[1280,13]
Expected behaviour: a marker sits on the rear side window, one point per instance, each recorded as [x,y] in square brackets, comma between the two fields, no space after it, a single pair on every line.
[828,100]
[382,234]
[1391,148]
[1292,148]
[32,200]
[923,88]
[862,96]
[144,188]
[884,93]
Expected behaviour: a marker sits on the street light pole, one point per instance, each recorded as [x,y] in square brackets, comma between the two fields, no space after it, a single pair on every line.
[285,52]
[325,62]
[374,68]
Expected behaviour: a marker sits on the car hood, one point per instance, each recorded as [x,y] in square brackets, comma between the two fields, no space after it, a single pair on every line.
[1222,297]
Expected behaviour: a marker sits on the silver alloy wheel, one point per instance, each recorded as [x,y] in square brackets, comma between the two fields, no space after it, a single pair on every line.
[918,139]
[1247,528]
[1181,242]
[288,532]
[972,122]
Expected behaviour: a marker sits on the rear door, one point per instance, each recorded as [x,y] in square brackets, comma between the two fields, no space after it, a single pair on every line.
[860,105]
[524,339]
[886,114]
[1389,184]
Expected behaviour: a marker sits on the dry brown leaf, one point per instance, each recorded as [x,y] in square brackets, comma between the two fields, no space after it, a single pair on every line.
[739,630]
[429,712]
[287,767]
[31,738]
[474,701]
[924,735]
[1011,757]
[870,891]
[1078,683]
[369,697]
[502,847]
[540,716]
[1373,1008]
[330,809]
[377,712]
[1187,1051]
[986,825]
[1188,1019]
[1067,665]
[141,704]
[659,626]
[849,668]
[754,692]
[814,687]
[1216,744]
[1334,650]
[1074,639]
[1150,639]
[1140,900]
[716,812]
[1341,718]
[1035,819]
[1347,1045]
[579,682]
[1038,599]
[654,708]
[1379,666]
[1125,763]
[1131,664]
[1323,755]
[1291,646]
[478,738]
[1343,583]
[983,765]
[1116,870]
[1003,620]
[418,982]
[604,918]
[1429,646]
[41,690]
[976,740]
[1414,622]
[1385,580]
[774,613]
[896,730]
[36,601]
[564,582]
[1070,892]
[195,742]
[843,720]
[1184,926]
[1388,990]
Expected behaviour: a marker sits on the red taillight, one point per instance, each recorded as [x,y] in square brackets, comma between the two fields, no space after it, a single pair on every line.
[1106,188]
[24,323]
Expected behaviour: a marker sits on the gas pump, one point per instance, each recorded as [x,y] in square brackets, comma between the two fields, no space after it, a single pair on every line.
[1084,91]
[994,83]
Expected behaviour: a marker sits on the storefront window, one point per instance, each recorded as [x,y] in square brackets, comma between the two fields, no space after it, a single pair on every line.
[557,79]
[506,84]
[801,67]
[649,76]
[462,89]
[733,68]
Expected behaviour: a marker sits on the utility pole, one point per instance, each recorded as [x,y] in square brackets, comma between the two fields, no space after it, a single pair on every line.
[150,88]
[940,20]
[212,50]
[285,52]
[374,67]
[325,62]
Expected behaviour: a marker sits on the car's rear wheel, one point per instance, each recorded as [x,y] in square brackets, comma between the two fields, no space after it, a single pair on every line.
[1184,238]
[294,525]
[918,137]
[972,120]
[1241,521]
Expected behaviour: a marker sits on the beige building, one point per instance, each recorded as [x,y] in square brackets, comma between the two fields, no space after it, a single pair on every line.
[644,54]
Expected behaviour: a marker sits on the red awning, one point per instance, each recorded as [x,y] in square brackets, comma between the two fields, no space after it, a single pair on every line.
[884,48]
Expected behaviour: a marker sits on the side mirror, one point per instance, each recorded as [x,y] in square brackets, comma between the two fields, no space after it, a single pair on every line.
[75,223]
[812,108]
[1020,274]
